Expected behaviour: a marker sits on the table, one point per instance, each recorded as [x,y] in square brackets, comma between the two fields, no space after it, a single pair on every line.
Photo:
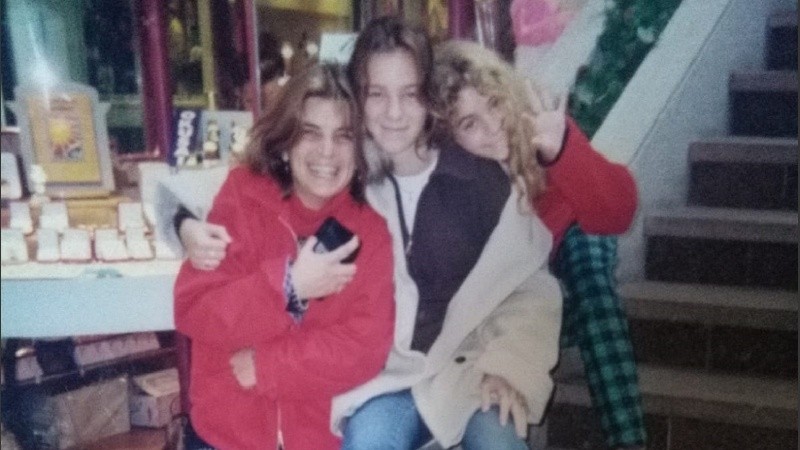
[81,299]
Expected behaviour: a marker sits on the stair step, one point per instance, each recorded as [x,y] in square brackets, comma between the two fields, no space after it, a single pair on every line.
[744,149]
[782,41]
[743,186]
[729,263]
[764,103]
[571,427]
[724,224]
[712,305]
[717,345]
[722,349]
[749,401]
[764,81]
[780,19]
[743,172]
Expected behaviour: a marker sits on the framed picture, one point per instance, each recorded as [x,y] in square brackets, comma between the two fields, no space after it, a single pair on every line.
[63,130]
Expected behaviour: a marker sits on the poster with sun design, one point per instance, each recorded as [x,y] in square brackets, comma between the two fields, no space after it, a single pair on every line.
[63,138]
[63,130]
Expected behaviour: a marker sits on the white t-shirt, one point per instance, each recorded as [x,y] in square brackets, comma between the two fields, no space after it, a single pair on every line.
[411,188]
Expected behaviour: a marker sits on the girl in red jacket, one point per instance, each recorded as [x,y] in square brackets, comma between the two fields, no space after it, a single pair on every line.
[492,112]
[277,329]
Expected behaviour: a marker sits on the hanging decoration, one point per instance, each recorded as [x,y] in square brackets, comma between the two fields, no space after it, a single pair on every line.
[632,29]
[538,22]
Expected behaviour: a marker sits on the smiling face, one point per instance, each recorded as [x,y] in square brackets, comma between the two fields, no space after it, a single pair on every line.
[394,114]
[477,125]
[323,159]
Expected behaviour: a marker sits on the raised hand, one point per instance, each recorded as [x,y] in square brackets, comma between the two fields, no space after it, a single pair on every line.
[549,121]
[316,275]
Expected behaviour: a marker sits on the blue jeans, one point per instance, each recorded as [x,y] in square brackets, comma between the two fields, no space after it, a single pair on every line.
[392,422]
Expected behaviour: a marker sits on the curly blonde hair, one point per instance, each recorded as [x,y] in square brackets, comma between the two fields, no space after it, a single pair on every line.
[461,64]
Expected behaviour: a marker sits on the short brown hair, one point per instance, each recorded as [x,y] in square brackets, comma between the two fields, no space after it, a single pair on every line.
[279,129]
[385,35]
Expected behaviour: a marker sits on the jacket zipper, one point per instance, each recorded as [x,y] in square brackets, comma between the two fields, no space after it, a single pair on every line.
[286,224]
[280,432]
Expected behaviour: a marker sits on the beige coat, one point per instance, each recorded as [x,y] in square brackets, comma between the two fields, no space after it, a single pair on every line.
[504,320]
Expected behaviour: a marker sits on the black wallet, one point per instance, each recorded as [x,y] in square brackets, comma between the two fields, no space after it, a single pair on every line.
[332,234]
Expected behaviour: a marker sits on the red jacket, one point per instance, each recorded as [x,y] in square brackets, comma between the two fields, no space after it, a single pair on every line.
[342,341]
[584,187]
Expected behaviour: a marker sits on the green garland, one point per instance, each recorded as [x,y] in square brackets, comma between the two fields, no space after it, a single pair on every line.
[632,28]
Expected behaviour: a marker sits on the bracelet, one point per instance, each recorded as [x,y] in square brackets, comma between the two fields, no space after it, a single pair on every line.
[182,214]
[295,305]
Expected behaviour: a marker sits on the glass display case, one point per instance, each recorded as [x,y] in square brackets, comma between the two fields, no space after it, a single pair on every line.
[98,42]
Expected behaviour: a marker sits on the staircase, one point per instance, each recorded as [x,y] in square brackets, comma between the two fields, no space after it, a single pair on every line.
[714,324]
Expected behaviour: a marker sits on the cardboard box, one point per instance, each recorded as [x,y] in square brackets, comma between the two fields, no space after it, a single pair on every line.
[155,398]
[92,412]
[136,439]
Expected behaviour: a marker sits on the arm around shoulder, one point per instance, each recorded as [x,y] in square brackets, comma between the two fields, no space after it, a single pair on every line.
[242,301]
[193,191]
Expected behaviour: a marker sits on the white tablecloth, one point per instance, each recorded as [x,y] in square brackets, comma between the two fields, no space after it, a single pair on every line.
[49,300]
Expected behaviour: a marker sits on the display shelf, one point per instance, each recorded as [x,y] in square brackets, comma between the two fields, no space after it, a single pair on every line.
[136,439]
[143,362]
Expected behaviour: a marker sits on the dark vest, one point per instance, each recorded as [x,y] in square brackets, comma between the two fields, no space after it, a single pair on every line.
[457,212]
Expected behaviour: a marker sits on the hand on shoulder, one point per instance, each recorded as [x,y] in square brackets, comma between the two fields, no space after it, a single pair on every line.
[205,243]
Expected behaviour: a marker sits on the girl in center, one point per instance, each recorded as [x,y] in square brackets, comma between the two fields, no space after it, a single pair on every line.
[478,314]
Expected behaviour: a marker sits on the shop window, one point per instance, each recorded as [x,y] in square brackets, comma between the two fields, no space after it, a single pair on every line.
[289,36]
[95,42]
[84,41]
[207,53]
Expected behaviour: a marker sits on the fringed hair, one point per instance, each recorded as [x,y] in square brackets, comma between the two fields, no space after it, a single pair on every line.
[279,129]
[389,34]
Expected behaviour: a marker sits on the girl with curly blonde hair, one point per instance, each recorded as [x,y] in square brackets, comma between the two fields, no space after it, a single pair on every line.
[493,112]
[461,64]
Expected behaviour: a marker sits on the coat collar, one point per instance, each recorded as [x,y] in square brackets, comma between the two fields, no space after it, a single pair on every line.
[453,161]
[264,191]
[518,246]
[456,162]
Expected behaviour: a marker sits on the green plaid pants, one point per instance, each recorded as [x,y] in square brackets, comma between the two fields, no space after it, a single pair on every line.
[595,321]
